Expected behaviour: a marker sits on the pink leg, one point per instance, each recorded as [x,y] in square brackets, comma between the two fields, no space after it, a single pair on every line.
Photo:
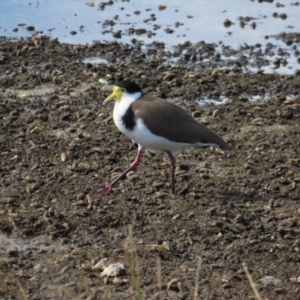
[135,163]
[172,162]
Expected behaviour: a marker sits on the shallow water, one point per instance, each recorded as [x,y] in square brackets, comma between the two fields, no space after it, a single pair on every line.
[196,20]
[202,20]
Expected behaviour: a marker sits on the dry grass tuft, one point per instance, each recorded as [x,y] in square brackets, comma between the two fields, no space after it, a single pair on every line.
[252,283]
[195,297]
[132,260]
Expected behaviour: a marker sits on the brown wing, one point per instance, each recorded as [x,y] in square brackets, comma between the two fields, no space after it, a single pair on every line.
[168,120]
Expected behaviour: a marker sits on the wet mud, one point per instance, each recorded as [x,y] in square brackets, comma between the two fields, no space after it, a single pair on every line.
[58,146]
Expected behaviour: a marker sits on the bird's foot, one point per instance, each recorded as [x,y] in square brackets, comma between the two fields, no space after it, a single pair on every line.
[106,189]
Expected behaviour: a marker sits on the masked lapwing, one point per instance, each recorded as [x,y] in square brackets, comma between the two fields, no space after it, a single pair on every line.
[156,125]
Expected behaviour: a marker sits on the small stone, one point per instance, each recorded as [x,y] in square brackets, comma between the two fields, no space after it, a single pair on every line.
[30,28]
[280,291]
[140,31]
[63,156]
[117,281]
[176,217]
[271,203]
[117,34]
[227,23]
[169,30]
[283,16]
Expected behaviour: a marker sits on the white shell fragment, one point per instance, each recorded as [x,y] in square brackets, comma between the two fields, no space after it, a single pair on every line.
[101,265]
[103,81]
[267,280]
[166,244]
[113,270]
[173,283]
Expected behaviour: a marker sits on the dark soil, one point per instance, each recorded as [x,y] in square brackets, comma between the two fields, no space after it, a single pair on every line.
[58,145]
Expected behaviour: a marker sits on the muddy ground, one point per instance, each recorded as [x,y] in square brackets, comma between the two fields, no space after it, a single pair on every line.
[58,145]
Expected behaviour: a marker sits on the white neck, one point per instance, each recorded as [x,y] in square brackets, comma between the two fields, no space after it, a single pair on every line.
[122,106]
[126,97]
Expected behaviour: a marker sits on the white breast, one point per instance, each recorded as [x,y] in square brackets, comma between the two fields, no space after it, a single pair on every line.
[140,133]
[121,108]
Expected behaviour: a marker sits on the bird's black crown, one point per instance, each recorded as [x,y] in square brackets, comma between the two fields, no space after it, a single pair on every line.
[129,86]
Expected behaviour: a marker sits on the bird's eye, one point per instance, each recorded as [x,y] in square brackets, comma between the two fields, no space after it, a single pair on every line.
[123,90]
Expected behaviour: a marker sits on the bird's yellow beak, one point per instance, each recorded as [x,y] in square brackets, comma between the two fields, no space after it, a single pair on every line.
[115,95]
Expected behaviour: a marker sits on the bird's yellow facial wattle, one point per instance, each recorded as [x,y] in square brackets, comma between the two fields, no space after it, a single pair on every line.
[115,95]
